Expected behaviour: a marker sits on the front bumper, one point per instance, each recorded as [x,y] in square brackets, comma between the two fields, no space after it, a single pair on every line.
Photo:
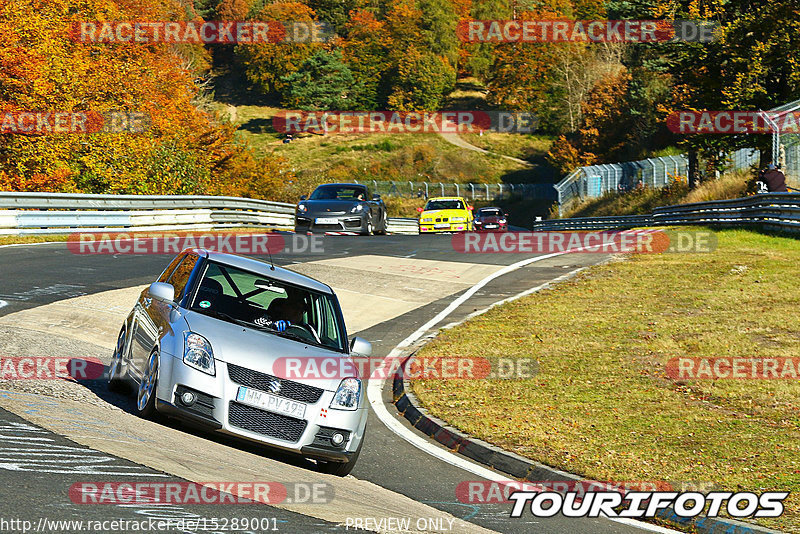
[351,222]
[491,227]
[216,408]
[432,228]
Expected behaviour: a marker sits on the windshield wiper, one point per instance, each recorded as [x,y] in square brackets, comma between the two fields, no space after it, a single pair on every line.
[226,317]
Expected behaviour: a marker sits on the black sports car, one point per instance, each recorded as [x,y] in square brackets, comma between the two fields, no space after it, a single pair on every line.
[341,208]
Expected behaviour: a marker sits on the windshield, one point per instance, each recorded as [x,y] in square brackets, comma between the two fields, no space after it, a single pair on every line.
[260,302]
[444,205]
[489,213]
[338,192]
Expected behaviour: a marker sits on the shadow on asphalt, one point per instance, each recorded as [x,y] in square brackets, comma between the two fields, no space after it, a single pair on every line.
[126,401]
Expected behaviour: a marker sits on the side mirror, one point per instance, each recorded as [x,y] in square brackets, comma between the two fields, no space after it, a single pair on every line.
[420,210]
[162,292]
[303,197]
[376,197]
[361,347]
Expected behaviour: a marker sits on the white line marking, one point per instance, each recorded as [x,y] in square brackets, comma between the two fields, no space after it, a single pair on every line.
[32,244]
[375,388]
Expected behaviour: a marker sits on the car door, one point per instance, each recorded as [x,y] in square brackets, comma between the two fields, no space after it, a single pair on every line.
[374,210]
[152,316]
[139,324]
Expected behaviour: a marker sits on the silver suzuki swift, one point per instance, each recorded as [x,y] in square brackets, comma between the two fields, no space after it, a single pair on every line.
[209,341]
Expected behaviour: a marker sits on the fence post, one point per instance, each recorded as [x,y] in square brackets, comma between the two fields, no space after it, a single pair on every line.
[458,191]
[441,184]
[426,190]
[375,186]
[487,191]
[654,171]
[472,190]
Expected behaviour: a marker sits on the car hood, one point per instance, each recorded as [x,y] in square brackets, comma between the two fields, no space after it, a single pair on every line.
[260,351]
[445,213]
[330,206]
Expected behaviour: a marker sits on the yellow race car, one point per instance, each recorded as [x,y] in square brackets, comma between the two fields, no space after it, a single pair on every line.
[445,214]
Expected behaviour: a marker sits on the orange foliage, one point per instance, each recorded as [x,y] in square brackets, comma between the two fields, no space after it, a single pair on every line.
[42,69]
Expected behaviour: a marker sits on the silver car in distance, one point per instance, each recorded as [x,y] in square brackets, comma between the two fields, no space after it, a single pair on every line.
[204,344]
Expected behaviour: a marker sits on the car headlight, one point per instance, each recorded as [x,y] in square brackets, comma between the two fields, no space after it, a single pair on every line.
[348,395]
[198,353]
[457,219]
[357,208]
[502,221]
[302,207]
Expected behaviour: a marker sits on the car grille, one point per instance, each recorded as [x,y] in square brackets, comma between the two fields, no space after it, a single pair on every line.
[267,423]
[327,226]
[290,390]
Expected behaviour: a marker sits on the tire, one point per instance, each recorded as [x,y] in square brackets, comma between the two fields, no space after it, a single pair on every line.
[370,229]
[146,395]
[340,469]
[117,382]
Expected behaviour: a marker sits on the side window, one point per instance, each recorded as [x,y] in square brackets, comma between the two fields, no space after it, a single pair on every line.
[180,277]
[171,267]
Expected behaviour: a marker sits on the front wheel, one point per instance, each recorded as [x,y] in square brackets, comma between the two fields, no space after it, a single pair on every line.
[370,229]
[146,396]
[342,469]
[116,380]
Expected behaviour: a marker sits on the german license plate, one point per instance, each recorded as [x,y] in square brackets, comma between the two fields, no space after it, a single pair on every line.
[326,220]
[271,403]
[491,226]
[443,225]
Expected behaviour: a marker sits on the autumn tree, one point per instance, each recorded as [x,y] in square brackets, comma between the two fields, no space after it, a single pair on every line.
[266,64]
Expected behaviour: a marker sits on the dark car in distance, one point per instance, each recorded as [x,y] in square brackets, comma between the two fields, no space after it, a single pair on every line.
[491,220]
[341,208]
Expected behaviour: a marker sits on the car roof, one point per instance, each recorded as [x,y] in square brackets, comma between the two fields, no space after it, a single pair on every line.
[260,267]
[447,198]
[343,185]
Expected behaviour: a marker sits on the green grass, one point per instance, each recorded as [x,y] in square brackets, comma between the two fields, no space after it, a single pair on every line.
[414,157]
[602,405]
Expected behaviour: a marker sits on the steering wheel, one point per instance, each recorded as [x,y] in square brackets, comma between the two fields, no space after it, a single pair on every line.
[305,329]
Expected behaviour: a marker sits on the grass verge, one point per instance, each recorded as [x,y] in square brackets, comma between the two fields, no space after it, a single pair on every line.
[602,405]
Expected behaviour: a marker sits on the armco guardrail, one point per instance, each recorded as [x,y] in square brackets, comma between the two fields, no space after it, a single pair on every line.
[776,211]
[59,213]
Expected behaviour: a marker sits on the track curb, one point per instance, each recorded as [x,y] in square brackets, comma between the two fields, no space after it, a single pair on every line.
[522,468]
